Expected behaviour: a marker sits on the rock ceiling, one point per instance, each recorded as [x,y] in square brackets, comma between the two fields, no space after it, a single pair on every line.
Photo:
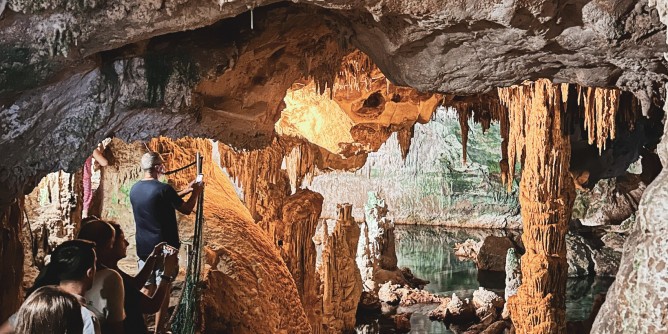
[75,72]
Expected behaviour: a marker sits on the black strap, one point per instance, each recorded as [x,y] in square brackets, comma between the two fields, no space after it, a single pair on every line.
[179,169]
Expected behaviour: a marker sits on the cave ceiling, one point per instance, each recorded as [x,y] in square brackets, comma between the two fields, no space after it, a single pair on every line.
[75,72]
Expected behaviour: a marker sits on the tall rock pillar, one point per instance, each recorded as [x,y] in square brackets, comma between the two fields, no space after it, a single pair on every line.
[546,199]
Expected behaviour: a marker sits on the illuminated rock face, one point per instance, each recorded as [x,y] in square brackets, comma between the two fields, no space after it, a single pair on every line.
[431,185]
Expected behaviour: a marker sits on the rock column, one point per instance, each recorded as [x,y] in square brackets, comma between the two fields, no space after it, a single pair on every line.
[546,198]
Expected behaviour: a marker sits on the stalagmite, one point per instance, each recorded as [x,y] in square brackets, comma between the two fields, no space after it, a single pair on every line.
[301,212]
[546,197]
[341,288]
[376,255]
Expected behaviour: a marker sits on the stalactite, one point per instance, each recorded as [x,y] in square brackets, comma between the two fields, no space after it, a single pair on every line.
[248,168]
[536,134]
[505,128]
[405,136]
[300,163]
[355,73]
[464,126]
[483,109]
[600,106]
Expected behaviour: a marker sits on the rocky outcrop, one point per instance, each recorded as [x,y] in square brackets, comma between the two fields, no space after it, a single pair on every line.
[492,253]
[578,256]
[610,201]
[636,301]
[336,244]
[468,249]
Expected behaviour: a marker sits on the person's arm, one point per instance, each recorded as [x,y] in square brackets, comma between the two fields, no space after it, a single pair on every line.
[150,305]
[142,276]
[114,293]
[187,207]
[6,328]
[99,157]
[187,190]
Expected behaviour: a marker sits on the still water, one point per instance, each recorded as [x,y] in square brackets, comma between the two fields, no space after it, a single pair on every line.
[429,252]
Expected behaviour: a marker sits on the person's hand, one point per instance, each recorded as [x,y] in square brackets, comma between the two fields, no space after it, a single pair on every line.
[171,263]
[157,250]
[198,187]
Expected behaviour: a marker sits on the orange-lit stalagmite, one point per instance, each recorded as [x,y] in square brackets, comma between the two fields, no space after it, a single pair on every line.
[546,198]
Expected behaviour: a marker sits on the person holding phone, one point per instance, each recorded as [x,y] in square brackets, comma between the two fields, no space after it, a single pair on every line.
[154,206]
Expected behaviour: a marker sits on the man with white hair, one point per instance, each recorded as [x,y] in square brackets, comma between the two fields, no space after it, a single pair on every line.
[153,205]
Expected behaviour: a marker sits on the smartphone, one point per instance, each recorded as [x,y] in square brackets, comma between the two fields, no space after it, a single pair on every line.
[199,178]
[168,250]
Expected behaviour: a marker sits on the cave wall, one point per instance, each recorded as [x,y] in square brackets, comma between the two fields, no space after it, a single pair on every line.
[432,185]
[636,300]
[11,254]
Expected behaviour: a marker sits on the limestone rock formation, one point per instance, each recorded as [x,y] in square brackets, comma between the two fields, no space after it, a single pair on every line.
[636,300]
[54,211]
[11,253]
[431,185]
[301,212]
[74,72]
[468,249]
[578,256]
[513,279]
[492,253]
[376,255]
[336,244]
[610,201]
[546,198]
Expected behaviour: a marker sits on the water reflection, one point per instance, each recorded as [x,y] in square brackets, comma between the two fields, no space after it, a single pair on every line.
[428,251]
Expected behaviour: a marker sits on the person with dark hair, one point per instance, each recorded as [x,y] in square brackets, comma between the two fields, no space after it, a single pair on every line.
[136,302]
[72,269]
[50,310]
[153,205]
[107,294]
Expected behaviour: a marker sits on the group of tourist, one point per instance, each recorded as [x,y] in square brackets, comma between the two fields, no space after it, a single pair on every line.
[82,289]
